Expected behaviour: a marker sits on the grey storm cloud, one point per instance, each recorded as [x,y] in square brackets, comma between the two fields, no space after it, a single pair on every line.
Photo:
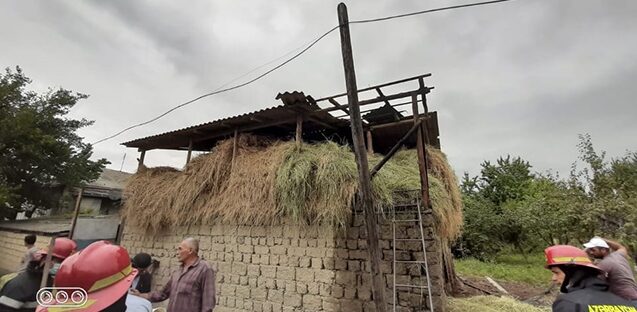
[523,77]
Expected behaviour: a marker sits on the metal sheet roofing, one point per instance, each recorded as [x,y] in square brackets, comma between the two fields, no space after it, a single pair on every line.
[277,120]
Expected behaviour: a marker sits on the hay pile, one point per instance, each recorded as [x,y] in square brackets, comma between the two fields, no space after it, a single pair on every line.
[271,180]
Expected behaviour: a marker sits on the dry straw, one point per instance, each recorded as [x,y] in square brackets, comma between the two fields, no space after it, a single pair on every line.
[273,180]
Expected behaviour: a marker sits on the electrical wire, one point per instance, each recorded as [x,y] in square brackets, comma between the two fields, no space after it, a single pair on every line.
[426,11]
[314,42]
[219,91]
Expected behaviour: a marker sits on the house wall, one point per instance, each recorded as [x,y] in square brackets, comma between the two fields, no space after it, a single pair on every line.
[288,267]
[12,246]
[92,204]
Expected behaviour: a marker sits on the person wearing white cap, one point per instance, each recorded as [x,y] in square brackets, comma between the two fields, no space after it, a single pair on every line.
[613,259]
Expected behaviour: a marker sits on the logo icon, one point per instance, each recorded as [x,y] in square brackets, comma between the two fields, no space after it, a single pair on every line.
[62,297]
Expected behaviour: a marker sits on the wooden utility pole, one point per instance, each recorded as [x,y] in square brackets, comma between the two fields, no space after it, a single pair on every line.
[76,213]
[365,186]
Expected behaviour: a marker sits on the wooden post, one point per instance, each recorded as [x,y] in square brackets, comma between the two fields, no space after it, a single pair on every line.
[235,140]
[76,213]
[365,187]
[189,151]
[47,263]
[299,131]
[141,159]
[394,149]
[370,143]
[120,231]
[422,155]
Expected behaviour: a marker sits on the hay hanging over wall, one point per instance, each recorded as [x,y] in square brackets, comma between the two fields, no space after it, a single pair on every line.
[272,180]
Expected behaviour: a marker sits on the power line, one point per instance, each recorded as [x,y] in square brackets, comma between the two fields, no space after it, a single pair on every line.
[219,90]
[426,11]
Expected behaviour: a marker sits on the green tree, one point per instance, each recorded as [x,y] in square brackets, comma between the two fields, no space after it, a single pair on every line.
[491,220]
[39,149]
[507,179]
[611,205]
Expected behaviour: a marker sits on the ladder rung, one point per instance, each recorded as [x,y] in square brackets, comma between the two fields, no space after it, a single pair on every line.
[407,220]
[405,206]
[411,286]
[409,239]
[410,261]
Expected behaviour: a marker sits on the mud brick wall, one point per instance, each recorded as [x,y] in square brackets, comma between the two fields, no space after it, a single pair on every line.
[288,267]
[13,249]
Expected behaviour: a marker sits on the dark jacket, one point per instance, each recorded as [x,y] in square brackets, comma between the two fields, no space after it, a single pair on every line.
[19,293]
[591,294]
[144,283]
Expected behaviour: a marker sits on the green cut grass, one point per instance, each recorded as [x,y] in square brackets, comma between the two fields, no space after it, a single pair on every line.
[491,304]
[510,267]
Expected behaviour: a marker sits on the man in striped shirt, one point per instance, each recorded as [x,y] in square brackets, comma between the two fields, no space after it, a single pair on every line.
[192,287]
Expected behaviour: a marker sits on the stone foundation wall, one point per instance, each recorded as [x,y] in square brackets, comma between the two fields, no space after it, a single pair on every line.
[289,267]
[13,249]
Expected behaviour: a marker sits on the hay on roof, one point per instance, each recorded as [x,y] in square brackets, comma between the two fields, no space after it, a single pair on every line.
[274,180]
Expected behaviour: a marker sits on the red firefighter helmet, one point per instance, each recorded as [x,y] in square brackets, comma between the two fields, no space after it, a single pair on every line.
[62,248]
[102,269]
[567,255]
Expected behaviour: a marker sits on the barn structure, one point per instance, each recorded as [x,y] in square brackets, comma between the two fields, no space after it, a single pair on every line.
[273,201]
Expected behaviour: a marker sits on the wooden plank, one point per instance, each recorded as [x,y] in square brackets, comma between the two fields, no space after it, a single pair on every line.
[496,285]
[336,104]
[392,124]
[365,187]
[76,212]
[380,93]
[299,130]
[395,148]
[189,151]
[378,86]
[370,142]
[380,99]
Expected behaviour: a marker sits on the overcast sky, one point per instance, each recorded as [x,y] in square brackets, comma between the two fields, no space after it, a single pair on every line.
[523,77]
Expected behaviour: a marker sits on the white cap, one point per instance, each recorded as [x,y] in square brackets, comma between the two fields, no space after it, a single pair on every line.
[596,242]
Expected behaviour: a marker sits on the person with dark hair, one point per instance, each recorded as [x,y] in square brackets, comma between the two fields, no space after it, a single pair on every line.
[29,243]
[143,281]
[582,289]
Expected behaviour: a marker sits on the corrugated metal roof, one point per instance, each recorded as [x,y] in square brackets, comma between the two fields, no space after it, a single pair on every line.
[48,226]
[186,129]
[276,121]
[39,226]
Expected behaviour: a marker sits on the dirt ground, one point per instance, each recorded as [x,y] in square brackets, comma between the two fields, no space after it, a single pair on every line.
[526,293]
